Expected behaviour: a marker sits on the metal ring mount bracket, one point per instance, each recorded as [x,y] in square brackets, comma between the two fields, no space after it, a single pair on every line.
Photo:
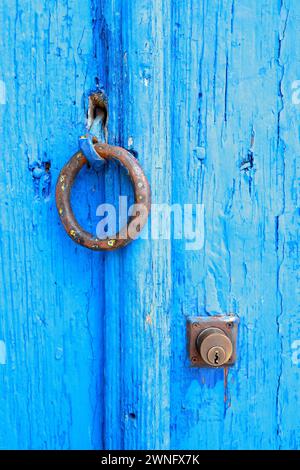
[142,198]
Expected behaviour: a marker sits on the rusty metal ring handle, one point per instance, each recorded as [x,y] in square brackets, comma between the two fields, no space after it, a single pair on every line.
[141,195]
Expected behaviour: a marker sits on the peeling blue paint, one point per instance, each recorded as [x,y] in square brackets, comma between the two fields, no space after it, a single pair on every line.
[206,93]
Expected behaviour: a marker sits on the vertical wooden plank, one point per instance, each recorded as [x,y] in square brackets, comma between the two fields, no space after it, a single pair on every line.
[227,122]
[111,73]
[147,43]
[287,225]
[50,300]
[138,279]
[197,289]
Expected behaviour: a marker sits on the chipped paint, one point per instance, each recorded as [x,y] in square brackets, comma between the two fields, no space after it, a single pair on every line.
[130,142]
[47,401]
[2,92]
[218,70]
[2,353]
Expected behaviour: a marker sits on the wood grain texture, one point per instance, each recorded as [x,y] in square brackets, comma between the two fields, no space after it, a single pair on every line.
[235,103]
[93,346]
[49,305]
[138,279]
[221,86]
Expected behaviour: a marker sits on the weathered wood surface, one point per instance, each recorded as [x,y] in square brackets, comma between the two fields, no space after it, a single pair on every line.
[93,346]
[50,304]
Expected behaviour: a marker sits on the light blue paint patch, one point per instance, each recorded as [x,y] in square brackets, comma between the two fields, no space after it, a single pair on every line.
[2,92]
[2,353]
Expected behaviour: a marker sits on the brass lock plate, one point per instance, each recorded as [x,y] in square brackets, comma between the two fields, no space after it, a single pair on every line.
[212,340]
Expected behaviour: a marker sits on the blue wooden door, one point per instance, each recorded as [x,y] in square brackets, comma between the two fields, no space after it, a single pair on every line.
[93,345]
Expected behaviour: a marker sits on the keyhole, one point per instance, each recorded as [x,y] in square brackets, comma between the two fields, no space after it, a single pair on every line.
[216,360]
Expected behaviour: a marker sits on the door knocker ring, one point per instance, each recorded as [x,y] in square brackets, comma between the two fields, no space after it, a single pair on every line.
[142,198]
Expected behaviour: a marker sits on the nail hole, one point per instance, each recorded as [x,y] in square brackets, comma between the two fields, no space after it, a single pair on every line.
[47,166]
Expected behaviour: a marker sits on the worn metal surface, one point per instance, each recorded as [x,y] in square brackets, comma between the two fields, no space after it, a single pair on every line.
[214,346]
[142,199]
[198,329]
